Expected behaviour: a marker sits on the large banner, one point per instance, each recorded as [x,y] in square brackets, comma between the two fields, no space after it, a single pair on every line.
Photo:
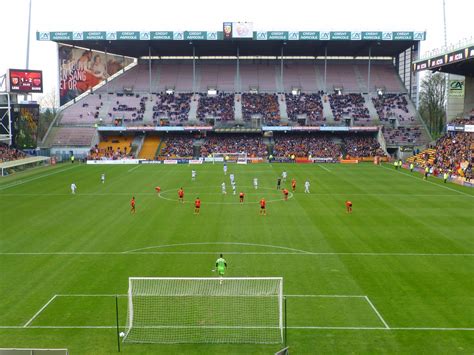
[80,70]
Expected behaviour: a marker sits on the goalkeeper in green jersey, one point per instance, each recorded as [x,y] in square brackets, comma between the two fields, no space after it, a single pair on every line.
[221,265]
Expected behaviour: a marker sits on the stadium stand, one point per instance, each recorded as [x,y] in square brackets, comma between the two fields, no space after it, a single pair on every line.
[393,106]
[219,106]
[308,106]
[304,145]
[402,135]
[252,145]
[113,147]
[73,136]
[174,107]
[9,154]
[350,106]
[360,147]
[150,147]
[175,146]
[261,105]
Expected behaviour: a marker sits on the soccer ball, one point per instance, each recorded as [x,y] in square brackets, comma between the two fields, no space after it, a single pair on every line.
[122,334]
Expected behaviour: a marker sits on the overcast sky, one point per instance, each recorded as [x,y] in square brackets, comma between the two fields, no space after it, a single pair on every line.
[153,15]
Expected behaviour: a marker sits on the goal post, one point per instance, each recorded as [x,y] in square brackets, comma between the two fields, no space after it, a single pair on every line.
[204,310]
[222,157]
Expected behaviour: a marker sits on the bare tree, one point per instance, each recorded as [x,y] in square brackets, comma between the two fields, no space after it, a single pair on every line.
[433,102]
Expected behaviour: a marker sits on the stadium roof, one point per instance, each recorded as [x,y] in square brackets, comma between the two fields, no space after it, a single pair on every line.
[309,43]
[459,61]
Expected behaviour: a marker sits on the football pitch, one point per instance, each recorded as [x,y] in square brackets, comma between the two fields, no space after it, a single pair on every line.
[395,276]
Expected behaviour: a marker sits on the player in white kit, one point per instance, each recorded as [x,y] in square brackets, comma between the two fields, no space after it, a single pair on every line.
[233,187]
[225,169]
[193,174]
[73,188]
[306,187]
[255,183]
[102,178]
[232,178]
[223,188]
[284,175]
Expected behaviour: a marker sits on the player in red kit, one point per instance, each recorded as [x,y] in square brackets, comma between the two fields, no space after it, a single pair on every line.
[132,205]
[285,193]
[197,205]
[181,195]
[263,205]
[293,184]
[349,206]
[241,197]
[158,189]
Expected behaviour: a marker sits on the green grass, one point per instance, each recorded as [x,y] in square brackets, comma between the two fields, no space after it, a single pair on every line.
[407,250]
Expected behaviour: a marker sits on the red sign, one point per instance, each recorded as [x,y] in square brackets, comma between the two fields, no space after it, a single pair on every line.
[25,81]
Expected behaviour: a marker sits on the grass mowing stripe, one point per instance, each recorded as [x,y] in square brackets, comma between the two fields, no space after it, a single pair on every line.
[21,182]
[431,182]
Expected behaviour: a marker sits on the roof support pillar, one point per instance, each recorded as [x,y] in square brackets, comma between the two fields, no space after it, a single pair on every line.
[325,67]
[239,84]
[194,69]
[149,68]
[368,71]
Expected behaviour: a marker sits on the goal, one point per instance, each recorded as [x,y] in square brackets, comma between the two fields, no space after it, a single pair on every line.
[204,310]
[239,158]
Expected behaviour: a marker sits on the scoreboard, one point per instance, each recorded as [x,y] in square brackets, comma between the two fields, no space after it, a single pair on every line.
[25,81]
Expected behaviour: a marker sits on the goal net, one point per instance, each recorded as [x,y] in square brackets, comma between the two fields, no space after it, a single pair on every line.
[204,310]
[239,158]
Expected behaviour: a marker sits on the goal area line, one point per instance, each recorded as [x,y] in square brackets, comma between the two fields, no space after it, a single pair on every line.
[385,326]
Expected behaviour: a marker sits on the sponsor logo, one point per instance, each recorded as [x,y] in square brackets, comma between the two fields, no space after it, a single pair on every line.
[387,36]
[212,36]
[293,36]
[144,36]
[261,36]
[356,36]
[77,36]
[111,36]
[324,36]
[418,36]
[44,36]
[178,36]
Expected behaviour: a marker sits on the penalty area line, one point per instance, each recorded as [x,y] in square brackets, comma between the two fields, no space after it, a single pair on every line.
[376,312]
[38,313]
[290,327]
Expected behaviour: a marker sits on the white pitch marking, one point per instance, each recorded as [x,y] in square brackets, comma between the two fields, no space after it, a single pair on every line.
[323,167]
[431,182]
[221,243]
[290,327]
[134,168]
[231,253]
[21,182]
[377,312]
[41,310]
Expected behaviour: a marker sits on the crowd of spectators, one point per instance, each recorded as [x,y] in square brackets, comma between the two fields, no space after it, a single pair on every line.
[216,106]
[109,153]
[174,107]
[9,154]
[348,105]
[305,145]
[454,149]
[309,105]
[264,105]
[402,134]
[177,146]
[252,145]
[463,121]
[392,106]
[358,147]
[125,106]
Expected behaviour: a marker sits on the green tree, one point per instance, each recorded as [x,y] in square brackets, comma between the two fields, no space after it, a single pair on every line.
[433,102]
